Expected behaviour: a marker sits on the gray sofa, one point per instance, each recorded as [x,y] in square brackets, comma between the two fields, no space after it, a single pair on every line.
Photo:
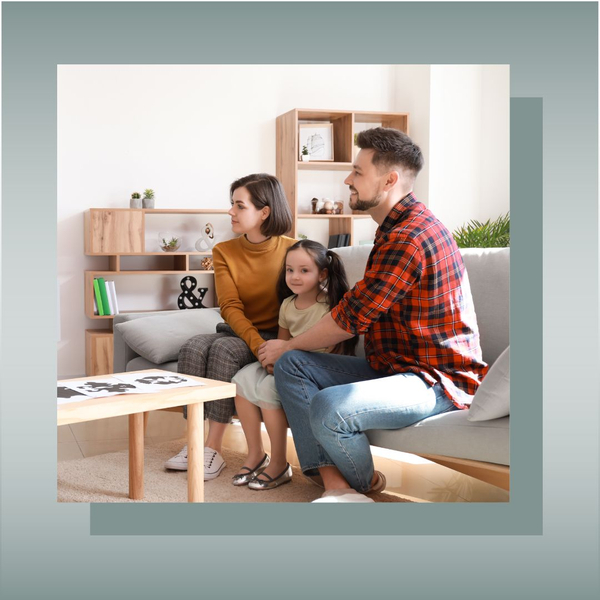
[475,441]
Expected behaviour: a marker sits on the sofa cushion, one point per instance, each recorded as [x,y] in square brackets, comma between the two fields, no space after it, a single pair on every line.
[159,338]
[489,276]
[141,364]
[492,400]
[450,434]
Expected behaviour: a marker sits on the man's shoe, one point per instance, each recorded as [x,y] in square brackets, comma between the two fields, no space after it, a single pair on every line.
[379,484]
[347,495]
[179,462]
[213,464]
[271,482]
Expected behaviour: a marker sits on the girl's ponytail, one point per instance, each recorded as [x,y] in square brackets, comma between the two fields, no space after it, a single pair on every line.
[337,286]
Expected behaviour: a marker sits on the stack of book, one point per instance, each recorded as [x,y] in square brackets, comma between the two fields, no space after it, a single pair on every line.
[339,240]
[105,298]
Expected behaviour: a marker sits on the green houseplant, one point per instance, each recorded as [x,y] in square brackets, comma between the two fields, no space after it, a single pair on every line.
[491,234]
[148,199]
[136,200]
[305,155]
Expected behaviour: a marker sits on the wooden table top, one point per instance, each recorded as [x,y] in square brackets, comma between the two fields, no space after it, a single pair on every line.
[127,404]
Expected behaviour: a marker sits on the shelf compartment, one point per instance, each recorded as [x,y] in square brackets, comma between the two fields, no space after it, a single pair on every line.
[394,120]
[324,166]
[110,231]
[89,286]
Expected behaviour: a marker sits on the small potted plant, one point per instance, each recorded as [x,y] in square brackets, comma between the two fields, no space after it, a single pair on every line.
[168,242]
[148,199]
[136,200]
[305,154]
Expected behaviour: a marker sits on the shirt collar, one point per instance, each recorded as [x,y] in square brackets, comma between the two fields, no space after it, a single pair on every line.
[397,214]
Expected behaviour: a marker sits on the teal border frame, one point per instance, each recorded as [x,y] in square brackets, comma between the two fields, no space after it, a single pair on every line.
[552,52]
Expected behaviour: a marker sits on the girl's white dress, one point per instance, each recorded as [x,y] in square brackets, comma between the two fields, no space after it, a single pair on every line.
[253,382]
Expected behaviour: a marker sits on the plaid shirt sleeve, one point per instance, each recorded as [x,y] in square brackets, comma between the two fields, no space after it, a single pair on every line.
[393,269]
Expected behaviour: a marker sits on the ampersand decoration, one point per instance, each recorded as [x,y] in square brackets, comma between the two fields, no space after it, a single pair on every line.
[188,285]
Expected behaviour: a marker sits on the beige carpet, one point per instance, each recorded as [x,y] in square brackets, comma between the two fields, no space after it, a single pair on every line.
[105,478]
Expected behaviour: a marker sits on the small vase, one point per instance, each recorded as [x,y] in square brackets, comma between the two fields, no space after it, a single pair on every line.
[305,157]
[148,202]
[135,203]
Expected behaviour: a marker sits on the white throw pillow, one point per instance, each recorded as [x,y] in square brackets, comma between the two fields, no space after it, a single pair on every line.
[492,399]
[159,338]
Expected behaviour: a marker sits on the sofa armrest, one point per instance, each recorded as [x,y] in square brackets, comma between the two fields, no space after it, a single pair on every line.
[122,353]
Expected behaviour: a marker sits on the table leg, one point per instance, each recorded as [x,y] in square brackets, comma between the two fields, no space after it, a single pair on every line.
[195,434]
[136,456]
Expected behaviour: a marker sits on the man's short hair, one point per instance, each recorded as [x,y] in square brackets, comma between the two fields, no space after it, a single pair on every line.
[391,148]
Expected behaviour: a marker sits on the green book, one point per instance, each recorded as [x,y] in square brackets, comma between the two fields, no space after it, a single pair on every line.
[104,295]
[98,298]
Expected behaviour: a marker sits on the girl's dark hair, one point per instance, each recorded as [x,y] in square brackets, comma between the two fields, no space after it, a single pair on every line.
[334,286]
[266,190]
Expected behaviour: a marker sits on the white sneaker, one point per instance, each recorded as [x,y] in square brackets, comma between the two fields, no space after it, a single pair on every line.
[213,464]
[347,495]
[179,462]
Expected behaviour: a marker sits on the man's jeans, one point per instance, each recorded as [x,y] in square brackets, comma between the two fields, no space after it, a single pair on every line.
[330,400]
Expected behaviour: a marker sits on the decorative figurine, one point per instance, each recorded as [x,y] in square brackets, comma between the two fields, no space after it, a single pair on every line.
[207,241]
[207,263]
[187,298]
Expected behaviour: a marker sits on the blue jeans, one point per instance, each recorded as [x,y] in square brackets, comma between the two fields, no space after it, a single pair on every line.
[331,400]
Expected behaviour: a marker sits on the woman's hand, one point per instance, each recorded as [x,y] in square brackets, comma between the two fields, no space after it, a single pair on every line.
[270,351]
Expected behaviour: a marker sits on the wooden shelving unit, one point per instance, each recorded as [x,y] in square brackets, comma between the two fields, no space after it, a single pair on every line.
[345,124]
[120,232]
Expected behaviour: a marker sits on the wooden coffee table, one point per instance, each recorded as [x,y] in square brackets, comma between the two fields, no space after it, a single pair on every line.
[136,405]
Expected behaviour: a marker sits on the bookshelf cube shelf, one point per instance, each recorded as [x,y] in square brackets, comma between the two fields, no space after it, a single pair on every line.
[345,124]
[115,233]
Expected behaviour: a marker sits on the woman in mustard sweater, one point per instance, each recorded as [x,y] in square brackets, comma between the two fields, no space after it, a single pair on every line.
[246,272]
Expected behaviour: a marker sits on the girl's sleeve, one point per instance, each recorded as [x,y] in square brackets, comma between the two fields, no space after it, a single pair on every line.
[283,322]
[232,308]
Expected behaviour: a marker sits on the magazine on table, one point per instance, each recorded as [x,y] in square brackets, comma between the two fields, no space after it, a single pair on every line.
[125,383]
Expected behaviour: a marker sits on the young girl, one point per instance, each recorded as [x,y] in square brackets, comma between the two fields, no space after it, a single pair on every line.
[311,283]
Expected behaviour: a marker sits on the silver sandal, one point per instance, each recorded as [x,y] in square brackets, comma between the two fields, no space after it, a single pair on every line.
[246,478]
[272,482]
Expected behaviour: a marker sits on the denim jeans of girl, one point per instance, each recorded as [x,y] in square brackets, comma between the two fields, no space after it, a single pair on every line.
[331,400]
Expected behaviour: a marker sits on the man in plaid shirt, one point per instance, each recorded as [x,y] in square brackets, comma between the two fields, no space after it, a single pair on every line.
[415,309]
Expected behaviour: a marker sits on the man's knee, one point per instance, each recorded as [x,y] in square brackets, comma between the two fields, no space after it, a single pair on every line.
[287,364]
[323,413]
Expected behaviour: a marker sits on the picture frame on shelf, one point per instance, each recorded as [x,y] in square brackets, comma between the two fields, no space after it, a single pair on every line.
[318,139]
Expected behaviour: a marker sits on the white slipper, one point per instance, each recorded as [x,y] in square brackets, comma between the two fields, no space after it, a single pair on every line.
[346,495]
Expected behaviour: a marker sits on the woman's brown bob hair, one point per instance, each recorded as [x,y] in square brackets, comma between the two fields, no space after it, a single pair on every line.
[266,190]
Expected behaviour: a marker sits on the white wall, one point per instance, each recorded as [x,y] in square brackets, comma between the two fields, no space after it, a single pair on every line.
[188,131]
[469,143]
[412,95]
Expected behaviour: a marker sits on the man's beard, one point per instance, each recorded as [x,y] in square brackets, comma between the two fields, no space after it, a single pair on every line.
[359,204]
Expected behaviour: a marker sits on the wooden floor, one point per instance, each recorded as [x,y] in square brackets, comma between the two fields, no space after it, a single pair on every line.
[406,474]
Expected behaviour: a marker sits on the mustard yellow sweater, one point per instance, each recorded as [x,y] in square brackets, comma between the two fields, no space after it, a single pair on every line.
[245,280]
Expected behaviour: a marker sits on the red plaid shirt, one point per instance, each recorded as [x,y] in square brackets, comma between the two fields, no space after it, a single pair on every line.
[414,306]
